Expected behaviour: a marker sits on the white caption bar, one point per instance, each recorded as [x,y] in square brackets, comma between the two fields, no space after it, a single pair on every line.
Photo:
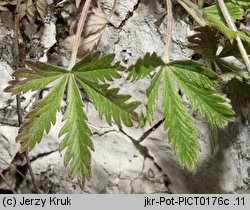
[125,202]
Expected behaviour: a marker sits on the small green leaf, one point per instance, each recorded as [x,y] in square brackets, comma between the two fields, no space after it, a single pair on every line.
[152,94]
[179,123]
[215,17]
[245,4]
[144,66]
[236,12]
[41,117]
[96,67]
[77,136]
[110,103]
[220,25]
[142,120]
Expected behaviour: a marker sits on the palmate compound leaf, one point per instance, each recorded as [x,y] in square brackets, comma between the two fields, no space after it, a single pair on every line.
[76,133]
[200,84]
[205,41]
[110,103]
[38,76]
[99,68]
[77,140]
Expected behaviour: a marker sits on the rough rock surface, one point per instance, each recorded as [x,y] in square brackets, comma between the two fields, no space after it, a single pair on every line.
[127,160]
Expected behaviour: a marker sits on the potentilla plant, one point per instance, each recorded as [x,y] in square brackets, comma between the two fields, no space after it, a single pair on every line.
[199,82]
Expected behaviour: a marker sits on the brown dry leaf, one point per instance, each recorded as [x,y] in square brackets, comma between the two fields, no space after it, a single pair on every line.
[78,2]
[2,8]
[41,6]
[94,27]
[27,8]
[30,10]
[4,4]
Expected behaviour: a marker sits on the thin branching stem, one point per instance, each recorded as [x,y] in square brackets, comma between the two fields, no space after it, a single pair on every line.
[31,172]
[14,168]
[79,31]
[233,27]
[18,100]
[168,46]
[7,183]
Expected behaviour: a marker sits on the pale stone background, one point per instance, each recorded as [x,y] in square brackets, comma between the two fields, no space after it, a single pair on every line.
[121,164]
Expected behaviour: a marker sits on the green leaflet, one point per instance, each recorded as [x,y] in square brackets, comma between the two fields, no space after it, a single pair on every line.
[220,25]
[235,11]
[110,103]
[77,136]
[152,94]
[245,4]
[201,92]
[96,67]
[194,73]
[215,17]
[195,67]
[144,66]
[39,76]
[41,117]
[181,132]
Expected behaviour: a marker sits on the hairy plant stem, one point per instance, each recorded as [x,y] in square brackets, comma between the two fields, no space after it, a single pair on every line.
[79,31]
[26,153]
[233,27]
[18,100]
[14,168]
[167,50]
